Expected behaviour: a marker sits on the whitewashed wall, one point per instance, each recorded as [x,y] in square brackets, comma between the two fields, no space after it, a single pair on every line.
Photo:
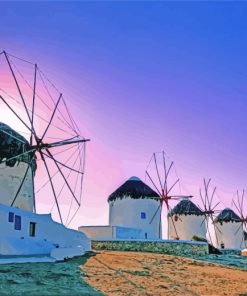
[127,211]
[112,232]
[10,180]
[187,226]
[99,232]
[48,234]
[226,234]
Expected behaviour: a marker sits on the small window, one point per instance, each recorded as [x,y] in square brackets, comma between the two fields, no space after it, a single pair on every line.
[176,218]
[17,222]
[32,227]
[11,217]
[143,215]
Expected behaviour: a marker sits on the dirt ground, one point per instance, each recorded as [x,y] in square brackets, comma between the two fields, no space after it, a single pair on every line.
[130,273]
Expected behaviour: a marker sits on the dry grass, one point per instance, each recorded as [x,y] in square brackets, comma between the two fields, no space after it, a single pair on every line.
[130,273]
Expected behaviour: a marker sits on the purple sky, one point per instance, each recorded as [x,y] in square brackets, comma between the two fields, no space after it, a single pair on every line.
[142,77]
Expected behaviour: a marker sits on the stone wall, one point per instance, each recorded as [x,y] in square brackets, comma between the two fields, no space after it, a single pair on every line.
[180,248]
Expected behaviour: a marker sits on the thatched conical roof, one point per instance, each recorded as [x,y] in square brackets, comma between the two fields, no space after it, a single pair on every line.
[186,207]
[227,215]
[134,188]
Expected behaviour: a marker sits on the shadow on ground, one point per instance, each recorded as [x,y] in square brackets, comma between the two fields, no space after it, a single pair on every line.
[65,278]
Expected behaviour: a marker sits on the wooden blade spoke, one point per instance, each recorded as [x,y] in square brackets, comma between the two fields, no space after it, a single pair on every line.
[33,103]
[164,163]
[13,111]
[212,196]
[52,186]
[173,186]
[17,85]
[203,220]
[155,213]
[215,206]
[65,180]
[22,182]
[169,169]
[202,200]
[153,184]
[241,225]
[157,171]
[52,116]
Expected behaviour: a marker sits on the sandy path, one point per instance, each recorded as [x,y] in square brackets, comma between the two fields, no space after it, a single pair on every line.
[130,273]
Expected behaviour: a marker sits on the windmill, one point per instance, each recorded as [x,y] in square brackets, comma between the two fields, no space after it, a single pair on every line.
[239,205]
[209,208]
[41,135]
[158,172]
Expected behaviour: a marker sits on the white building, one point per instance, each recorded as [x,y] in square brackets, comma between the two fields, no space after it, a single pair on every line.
[25,233]
[229,230]
[131,209]
[185,221]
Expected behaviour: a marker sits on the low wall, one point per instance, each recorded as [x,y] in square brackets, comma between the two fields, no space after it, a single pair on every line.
[180,248]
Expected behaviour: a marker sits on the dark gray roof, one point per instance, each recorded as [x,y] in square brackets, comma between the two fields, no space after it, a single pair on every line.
[134,188]
[227,215]
[13,144]
[186,207]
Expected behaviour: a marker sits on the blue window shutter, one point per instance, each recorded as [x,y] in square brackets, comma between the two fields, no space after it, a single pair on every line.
[17,222]
[143,215]
[11,217]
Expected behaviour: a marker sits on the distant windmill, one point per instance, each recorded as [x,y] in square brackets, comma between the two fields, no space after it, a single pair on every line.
[158,173]
[239,205]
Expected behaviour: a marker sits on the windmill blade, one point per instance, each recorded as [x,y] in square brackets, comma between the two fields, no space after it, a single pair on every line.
[22,181]
[205,208]
[52,186]
[205,217]
[153,184]
[33,103]
[157,171]
[51,119]
[238,208]
[164,163]
[216,227]
[241,225]
[206,185]
[212,196]
[173,186]
[169,169]
[215,206]
[238,200]
[155,213]
[242,202]
[17,85]
[182,196]
[242,241]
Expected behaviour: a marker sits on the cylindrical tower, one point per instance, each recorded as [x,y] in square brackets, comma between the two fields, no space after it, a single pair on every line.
[133,205]
[185,221]
[16,175]
[229,230]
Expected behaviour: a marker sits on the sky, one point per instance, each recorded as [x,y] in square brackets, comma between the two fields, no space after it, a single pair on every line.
[141,77]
